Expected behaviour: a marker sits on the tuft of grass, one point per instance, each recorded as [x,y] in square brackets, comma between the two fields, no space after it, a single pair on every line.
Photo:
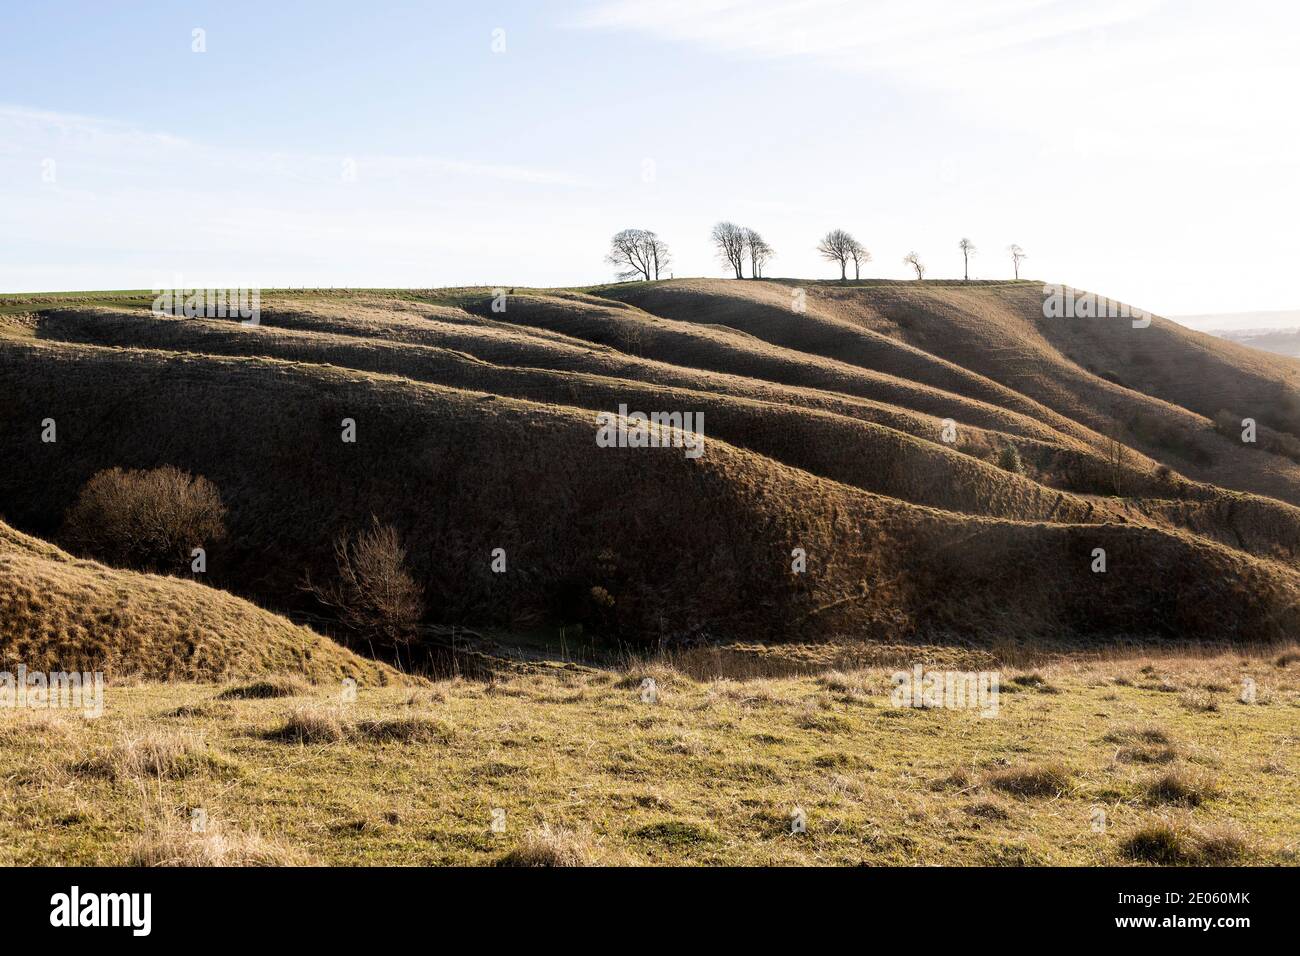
[310,725]
[1222,844]
[959,779]
[404,730]
[1157,843]
[162,754]
[1182,787]
[1146,733]
[204,710]
[1043,780]
[169,844]
[987,810]
[1199,702]
[26,725]
[1034,681]
[1142,744]
[1168,844]
[675,833]
[551,846]
[284,685]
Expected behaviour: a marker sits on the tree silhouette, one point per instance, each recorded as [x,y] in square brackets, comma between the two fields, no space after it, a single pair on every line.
[837,246]
[967,250]
[913,260]
[1018,256]
[759,252]
[729,240]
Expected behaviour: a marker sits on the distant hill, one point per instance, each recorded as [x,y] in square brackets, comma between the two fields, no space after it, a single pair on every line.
[1279,341]
[1216,322]
[1277,332]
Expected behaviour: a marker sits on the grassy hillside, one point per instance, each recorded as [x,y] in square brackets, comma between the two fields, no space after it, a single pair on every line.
[1158,387]
[824,433]
[460,473]
[59,613]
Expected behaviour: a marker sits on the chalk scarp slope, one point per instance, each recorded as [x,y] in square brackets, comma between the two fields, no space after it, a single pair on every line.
[645,544]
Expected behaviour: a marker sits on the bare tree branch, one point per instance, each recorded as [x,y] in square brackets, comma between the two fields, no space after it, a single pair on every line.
[913,260]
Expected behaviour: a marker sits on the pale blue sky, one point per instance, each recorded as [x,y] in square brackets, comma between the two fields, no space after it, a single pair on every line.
[1145,149]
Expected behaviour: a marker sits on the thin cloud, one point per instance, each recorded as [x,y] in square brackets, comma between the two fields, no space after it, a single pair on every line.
[106,142]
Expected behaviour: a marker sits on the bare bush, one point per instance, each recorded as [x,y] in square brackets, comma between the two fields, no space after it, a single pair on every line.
[146,520]
[374,596]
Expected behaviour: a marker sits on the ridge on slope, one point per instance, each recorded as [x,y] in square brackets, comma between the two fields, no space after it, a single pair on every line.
[849,450]
[919,381]
[1152,387]
[832,444]
[647,543]
[611,338]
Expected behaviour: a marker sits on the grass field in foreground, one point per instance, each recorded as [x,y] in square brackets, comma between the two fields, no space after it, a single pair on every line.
[588,773]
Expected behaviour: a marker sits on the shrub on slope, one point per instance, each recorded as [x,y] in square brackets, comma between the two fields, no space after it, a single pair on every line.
[144,520]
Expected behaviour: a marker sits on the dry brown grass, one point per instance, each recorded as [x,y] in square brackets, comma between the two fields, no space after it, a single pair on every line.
[706,776]
[1181,786]
[59,613]
[278,685]
[311,725]
[1142,744]
[17,726]
[151,752]
[1173,843]
[551,846]
[404,730]
[1042,780]
[170,843]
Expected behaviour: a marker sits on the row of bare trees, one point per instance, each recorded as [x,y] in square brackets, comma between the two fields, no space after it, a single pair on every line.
[640,254]
[838,246]
[968,249]
[736,244]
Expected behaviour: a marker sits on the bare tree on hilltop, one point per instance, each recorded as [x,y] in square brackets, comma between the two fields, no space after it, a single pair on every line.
[1018,256]
[859,254]
[759,252]
[729,239]
[967,250]
[638,254]
[913,260]
[660,257]
[837,246]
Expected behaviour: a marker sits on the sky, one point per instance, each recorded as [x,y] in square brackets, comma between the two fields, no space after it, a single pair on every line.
[1143,149]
